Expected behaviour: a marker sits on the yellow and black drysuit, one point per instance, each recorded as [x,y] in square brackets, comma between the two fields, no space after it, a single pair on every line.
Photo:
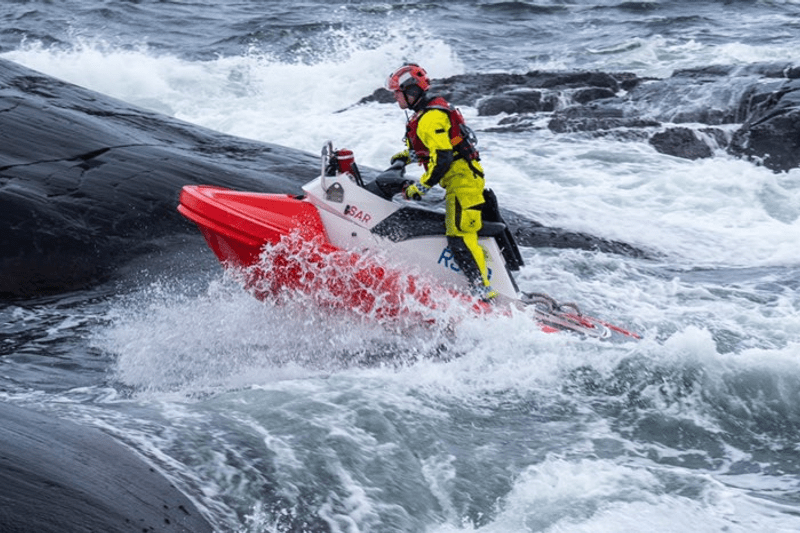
[452,162]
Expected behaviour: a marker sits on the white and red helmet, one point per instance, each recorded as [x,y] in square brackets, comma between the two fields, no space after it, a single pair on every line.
[406,76]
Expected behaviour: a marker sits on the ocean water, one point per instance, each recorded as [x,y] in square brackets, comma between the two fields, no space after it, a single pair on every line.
[286,419]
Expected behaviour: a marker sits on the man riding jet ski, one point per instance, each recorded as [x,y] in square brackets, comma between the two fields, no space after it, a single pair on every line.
[349,244]
[439,140]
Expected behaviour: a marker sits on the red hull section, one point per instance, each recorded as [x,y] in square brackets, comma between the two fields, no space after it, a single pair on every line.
[238,225]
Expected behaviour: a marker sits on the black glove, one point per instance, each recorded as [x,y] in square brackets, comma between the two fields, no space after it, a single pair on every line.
[400,156]
[415,191]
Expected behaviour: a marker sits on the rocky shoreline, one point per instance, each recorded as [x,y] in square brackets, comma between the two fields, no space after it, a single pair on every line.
[750,112]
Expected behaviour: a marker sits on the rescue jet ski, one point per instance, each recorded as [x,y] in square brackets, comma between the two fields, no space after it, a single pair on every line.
[360,246]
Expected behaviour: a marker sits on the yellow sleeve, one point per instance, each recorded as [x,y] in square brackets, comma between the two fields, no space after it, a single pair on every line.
[434,132]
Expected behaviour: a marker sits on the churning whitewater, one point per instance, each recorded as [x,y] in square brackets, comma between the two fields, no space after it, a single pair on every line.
[284,416]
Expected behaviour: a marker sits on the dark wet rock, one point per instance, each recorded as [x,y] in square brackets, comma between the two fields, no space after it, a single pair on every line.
[584,96]
[379,95]
[539,236]
[596,117]
[581,79]
[494,105]
[680,142]
[58,476]
[706,72]
[515,124]
[562,124]
[771,134]
[540,91]
[87,182]
[516,102]
[715,137]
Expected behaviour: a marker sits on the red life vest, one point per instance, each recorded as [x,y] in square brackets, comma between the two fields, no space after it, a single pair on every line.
[461,136]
